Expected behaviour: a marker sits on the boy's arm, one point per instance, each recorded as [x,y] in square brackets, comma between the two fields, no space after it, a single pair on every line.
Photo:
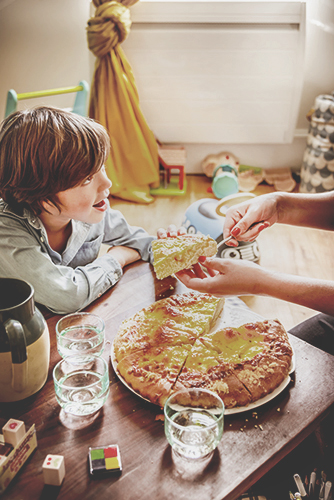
[60,288]
[124,255]
[118,233]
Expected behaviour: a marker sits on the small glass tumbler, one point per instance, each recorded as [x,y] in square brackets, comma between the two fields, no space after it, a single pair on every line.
[80,333]
[194,423]
[82,387]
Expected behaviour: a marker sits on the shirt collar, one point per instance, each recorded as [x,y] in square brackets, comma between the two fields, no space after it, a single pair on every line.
[33,220]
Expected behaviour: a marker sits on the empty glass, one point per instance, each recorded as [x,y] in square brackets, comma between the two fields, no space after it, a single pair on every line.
[82,387]
[194,422]
[80,333]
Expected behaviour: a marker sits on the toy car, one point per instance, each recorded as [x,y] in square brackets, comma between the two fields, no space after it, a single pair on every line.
[201,217]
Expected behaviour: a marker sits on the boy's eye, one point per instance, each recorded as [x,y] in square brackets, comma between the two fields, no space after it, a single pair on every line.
[88,180]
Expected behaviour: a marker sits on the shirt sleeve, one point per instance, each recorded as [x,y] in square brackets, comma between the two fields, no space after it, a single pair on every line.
[118,232]
[60,288]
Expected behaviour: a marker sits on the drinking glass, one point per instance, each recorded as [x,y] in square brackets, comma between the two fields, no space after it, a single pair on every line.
[80,333]
[194,422]
[82,387]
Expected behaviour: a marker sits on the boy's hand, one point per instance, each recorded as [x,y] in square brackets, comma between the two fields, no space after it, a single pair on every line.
[171,231]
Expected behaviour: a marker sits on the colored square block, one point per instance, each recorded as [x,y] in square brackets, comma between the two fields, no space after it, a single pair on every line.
[112,463]
[99,464]
[13,431]
[104,460]
[110,452]
[54,470]
[97,454]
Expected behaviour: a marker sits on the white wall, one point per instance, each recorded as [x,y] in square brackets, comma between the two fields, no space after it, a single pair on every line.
[43,45]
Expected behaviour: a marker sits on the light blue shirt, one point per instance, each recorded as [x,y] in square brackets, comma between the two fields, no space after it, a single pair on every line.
[69,281]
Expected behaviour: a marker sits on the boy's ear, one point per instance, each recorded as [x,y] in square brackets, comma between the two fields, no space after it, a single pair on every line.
[49,207]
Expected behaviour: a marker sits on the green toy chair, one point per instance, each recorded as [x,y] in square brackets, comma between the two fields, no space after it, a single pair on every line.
[80,102]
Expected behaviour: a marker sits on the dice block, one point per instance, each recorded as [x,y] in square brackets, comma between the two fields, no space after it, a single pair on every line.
[54,470]
[13,431]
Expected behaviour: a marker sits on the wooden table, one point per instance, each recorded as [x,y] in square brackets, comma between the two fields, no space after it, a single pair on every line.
[244,455]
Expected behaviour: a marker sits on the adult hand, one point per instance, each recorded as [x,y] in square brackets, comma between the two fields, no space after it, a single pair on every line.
[171,231]
[226,277]
[246,220]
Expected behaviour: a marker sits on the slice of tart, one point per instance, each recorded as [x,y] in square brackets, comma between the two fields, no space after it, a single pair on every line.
[176,320]
[202,369]
[152,372]
[175,254]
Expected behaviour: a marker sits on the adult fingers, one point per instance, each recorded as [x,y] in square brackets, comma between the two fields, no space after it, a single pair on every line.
[171,230]
[161,233]
[181,231]
[251,233]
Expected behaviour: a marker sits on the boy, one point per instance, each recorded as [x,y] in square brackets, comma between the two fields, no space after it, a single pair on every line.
[54,212]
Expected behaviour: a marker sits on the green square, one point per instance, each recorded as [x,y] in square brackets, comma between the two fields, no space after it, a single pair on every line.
[96,454]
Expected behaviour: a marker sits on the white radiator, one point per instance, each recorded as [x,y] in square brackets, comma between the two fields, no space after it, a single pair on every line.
[218,71]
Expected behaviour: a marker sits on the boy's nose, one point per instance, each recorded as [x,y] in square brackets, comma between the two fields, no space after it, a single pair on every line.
[105,181]
[108,183]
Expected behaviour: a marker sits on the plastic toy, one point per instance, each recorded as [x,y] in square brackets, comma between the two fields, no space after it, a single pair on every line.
[205,216]
[171,158]
[225,181]
[212,161]
[80,103]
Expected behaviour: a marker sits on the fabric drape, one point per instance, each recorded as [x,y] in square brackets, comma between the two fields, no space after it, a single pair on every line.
[133,165]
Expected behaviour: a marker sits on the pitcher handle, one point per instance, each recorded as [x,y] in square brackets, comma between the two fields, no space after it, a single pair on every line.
[18,347]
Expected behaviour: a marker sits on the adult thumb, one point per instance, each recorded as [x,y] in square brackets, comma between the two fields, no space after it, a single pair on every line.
[248,223]
[217,264]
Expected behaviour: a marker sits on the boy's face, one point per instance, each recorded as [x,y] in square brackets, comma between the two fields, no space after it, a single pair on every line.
[86,202]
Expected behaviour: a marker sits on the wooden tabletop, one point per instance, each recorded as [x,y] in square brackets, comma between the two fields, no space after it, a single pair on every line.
[251,444]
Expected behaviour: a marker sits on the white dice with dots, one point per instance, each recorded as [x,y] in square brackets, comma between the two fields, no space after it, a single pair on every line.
[13,431]
[54,470]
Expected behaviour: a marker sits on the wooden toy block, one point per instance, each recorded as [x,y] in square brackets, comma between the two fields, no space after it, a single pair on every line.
[104,460]
[14,458]
[5,450]
[54,470]
[13,431]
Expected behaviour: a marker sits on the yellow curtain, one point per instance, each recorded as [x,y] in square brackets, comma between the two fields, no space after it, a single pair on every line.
[133,165]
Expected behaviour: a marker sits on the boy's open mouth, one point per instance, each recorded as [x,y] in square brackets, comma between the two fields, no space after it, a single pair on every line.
[100,204]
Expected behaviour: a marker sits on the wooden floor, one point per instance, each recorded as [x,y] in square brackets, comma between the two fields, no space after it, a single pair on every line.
[288,249]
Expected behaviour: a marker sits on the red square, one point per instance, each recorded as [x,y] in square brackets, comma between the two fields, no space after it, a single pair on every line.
[110,452]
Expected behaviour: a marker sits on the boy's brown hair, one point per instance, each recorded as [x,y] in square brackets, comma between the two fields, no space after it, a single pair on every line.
[46,150]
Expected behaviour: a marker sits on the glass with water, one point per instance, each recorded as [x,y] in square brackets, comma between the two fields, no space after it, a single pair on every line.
[194,422]
[80,333]
[82,387]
